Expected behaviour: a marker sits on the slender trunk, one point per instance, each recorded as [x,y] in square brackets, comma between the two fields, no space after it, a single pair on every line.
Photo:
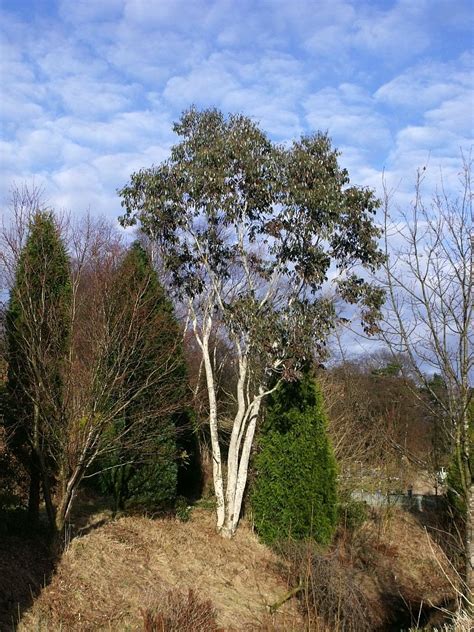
[234,511]
[70,485]
[235,441]
[35,471]
[67,499]
[216,452]
[48,501]
[40,461]
[469,550]
[34,492]
[467,484]
[121,489]
[205,458]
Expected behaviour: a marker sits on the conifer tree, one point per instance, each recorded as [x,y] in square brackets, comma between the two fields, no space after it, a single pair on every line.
[142,469]
[38,326]
[294,492]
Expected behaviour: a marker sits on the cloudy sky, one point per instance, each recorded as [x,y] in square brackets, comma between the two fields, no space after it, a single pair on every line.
[90,88]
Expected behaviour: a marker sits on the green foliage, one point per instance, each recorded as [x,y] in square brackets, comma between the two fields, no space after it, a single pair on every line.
[38,327]
[352,513]
[294,493]
[142,470]
[225,188]
[38,321]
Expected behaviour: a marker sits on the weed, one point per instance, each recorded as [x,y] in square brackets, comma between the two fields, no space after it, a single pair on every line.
[181,613]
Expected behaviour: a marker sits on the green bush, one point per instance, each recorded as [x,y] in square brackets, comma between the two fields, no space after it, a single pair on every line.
[352,513]
[294,494]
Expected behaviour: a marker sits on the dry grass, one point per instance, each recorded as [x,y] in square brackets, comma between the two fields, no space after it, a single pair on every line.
[181,613]
[388,572]
[402,570]
[406,557]
[110,577]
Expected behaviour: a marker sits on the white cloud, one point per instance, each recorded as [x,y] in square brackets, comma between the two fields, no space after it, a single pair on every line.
[207,83]
[398,33]
[88,98]
[89,94]
[428,83]
[349,115]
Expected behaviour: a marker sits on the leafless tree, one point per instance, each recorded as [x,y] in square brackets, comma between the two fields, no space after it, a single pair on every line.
[429,283]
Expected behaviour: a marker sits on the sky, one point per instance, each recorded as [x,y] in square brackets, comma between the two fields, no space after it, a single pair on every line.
[90,88]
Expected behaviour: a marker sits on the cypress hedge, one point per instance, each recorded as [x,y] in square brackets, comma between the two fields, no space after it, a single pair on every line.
[294,494]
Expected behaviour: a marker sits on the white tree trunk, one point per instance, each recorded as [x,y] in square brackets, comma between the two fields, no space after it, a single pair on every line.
[213,426]
[235,442]
[235,509]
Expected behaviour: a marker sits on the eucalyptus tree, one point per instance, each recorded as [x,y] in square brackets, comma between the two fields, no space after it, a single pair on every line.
[250,234]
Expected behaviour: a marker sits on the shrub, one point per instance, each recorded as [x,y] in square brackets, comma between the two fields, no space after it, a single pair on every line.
[330,591]
[352,513]
[181,613]
[294,492]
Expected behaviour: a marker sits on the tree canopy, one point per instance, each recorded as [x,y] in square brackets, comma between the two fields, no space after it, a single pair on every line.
[257,239]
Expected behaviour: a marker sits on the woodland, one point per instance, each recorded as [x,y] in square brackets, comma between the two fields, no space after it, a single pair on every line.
[266,374]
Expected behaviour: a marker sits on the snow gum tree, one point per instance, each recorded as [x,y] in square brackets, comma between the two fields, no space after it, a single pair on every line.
[250,233]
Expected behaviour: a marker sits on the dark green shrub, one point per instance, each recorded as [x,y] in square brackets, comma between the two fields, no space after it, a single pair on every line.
[294,493]
[352,513]
[142,468]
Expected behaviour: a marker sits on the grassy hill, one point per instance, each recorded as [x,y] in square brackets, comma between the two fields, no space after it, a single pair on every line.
[110,578]
[162,575]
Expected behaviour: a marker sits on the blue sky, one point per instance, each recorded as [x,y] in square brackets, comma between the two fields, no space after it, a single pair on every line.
[90,88]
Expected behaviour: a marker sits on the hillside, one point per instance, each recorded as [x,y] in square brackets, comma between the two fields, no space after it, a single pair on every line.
[111,577]
[108,577]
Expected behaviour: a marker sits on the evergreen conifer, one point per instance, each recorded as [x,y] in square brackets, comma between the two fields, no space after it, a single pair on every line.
[294,493]
[38,327]
[143,468]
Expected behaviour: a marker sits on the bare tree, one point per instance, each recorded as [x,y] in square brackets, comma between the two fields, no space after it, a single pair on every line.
[429,283]
[380,429]
[114,326]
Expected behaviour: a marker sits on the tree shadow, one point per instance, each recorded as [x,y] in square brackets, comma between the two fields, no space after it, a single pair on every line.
[27,564]
[29,555]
